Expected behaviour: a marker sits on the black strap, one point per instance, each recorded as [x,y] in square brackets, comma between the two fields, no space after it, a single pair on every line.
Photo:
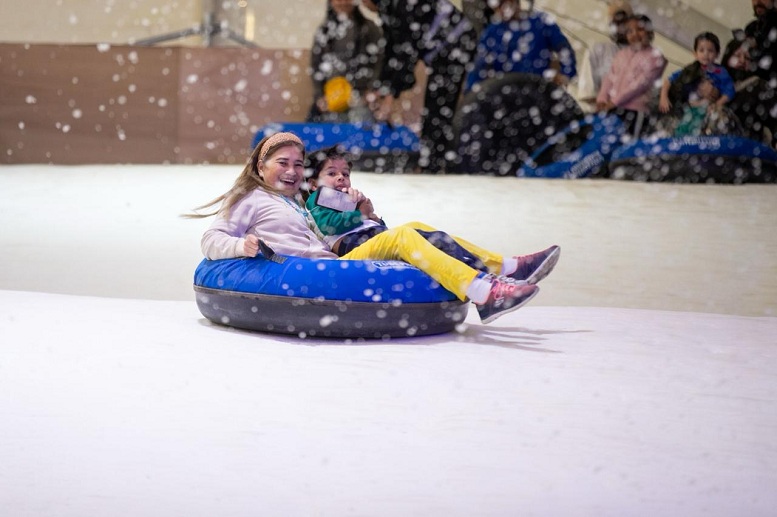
[269,253]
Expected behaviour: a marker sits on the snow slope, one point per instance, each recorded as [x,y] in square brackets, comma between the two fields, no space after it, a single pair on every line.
[639,382]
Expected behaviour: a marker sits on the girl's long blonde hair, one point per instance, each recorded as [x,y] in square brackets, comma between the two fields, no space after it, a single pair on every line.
[249,179]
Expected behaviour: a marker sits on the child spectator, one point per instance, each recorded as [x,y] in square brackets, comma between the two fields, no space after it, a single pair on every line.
[680,87]
[522,41]
[348,46]
[628,87]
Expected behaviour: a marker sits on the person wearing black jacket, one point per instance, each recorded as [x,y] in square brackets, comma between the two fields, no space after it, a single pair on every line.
[438,34]
[763,32]
[345,45]
[751,60]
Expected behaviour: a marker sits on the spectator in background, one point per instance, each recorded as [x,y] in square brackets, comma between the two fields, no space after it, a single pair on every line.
[736,57]
[628,87]
[751,59]
[346,51]
[763,33]
[439,35]
[525,41]
[679,88]
[695,97]
[598,59]
[479,13]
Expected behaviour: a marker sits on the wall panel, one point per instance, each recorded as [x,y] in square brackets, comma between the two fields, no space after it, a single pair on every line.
[75,104]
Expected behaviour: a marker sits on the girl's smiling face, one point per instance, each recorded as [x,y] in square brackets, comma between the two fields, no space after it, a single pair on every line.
[637,34]
[284,170]
[335,174]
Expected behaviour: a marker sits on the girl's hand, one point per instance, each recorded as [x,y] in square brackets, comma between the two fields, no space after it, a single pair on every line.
[251,245]
[356,195]
[366,208]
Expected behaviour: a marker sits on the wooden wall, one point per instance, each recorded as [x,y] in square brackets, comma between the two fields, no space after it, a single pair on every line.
[79,104]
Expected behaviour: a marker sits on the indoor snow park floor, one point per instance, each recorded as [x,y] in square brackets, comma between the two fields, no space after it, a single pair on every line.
[641,381]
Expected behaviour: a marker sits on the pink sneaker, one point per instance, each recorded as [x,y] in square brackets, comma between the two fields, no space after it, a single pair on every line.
[533,268]
[506,296]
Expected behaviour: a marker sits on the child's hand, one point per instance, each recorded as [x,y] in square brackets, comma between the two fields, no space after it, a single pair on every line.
[366,208]
[251,245]
[664,105]
[356,195]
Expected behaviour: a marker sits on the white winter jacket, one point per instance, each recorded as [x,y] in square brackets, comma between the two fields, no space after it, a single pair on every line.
[279,221]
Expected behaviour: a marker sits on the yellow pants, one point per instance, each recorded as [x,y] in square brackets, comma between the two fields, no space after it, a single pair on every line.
[406,244]
[493,261]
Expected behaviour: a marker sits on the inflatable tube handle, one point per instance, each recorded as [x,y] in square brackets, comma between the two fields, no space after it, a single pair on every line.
[269,253]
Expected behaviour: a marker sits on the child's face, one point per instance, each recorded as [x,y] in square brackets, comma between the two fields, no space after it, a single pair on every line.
[335,174]
[637,34]
[707,90]
[705,52]
[510,9]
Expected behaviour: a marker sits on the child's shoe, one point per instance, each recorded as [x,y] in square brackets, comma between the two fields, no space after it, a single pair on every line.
[506,296]
[533,268]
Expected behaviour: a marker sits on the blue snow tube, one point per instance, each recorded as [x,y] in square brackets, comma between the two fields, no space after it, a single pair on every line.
[695,159]
[374,147]
[580,150]
[325,298]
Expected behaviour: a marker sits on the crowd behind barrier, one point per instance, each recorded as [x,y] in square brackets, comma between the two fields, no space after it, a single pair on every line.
[515,114]
[202,105]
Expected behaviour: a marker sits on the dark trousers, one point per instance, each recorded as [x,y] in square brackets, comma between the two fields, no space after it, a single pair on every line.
[755,105]
[637,123]
[443,87]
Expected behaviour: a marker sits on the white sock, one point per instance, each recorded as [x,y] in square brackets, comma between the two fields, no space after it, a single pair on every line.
[509,265]
[479,290]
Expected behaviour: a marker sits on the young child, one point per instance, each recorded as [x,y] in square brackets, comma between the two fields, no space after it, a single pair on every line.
[628,86]
[681,88]
[344,231]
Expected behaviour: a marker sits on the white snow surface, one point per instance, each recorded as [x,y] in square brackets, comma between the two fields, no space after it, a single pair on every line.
[639,382]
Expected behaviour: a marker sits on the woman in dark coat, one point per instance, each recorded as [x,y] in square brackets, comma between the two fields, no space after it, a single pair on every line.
[347,45]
